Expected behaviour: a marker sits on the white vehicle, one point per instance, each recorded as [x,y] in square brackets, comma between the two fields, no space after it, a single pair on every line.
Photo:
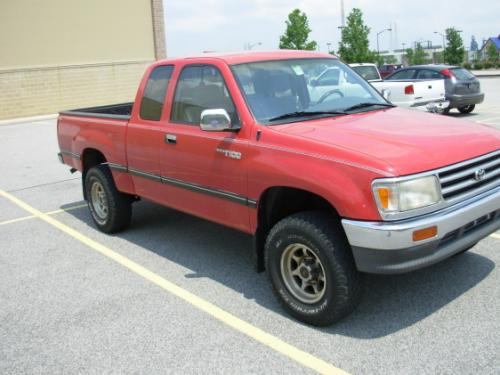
[405,93]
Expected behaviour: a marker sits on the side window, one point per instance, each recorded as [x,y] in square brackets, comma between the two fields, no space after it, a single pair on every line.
[199,88]
[428,74]
[154,93]
[403,74]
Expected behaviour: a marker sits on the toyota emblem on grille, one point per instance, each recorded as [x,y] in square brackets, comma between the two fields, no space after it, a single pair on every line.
[479,174]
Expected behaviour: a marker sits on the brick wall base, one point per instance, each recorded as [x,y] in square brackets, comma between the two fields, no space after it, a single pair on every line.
[39,91]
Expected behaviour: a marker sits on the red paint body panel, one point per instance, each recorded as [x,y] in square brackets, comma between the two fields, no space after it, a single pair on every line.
[336,158]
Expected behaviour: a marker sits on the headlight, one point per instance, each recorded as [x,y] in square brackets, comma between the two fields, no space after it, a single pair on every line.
[394,196]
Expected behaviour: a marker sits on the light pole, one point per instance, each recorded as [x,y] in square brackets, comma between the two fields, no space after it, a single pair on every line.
[403,57]
[437,32]
[378,49]
[249,45]
[328,45]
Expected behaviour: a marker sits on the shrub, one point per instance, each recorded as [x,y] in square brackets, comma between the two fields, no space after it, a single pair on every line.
[488,65]
[468,66]
[478,66]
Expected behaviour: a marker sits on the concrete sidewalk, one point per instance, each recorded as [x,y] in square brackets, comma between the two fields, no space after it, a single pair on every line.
[486,73]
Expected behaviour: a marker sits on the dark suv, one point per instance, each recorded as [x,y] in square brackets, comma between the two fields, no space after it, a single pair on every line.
[463,90]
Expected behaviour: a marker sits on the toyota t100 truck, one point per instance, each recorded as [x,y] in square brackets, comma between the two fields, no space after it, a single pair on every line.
[329,187]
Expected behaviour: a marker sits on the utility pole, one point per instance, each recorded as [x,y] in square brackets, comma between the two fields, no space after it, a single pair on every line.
[342,14]
[378,49]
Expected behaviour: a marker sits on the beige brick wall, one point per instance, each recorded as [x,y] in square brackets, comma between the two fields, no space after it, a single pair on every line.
[40,91]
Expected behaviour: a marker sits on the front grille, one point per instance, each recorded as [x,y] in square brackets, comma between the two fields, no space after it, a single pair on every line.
[471,177]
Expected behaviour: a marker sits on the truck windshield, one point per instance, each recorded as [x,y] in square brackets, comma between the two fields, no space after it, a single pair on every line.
[301,89]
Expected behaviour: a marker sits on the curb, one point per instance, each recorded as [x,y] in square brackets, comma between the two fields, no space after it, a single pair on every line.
[486,73]
[27,119]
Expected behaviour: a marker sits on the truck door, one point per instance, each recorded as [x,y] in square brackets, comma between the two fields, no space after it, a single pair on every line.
[145,133]
[204,172]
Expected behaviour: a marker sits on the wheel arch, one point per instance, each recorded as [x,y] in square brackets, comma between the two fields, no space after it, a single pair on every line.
[90,158]
[275,203]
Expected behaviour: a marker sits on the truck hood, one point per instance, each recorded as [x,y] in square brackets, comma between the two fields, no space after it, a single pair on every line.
[410,141]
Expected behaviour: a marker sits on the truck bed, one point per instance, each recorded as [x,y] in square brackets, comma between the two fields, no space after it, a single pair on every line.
[120,111]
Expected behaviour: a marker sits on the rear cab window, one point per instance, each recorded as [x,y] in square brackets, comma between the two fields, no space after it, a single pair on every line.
[154,93]
[367,72]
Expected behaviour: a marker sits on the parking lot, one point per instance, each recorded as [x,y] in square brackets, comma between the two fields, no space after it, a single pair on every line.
[177,294]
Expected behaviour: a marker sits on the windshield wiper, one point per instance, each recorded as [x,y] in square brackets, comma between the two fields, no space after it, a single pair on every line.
[364,105]
[305,114]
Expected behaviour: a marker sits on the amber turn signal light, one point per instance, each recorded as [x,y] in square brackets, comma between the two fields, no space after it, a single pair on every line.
[423,234]
[383,195]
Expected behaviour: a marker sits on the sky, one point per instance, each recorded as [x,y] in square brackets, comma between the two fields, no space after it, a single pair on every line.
[195,26]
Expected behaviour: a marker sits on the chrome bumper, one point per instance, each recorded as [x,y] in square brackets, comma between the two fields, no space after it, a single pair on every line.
[388,247]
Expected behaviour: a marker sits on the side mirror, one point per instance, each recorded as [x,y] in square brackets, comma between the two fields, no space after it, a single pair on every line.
[314,82]
[386,94]
[215,120]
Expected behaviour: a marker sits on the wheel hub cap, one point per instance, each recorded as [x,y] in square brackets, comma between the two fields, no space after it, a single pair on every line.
[303,273]
[99,201]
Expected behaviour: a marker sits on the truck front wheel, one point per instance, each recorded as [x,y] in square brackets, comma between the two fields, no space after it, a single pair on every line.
[312,269]
[111,210]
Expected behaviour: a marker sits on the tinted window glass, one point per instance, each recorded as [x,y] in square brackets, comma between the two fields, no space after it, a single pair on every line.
[462,74]
[428,74]
[403,74]
[200,88]
[367,72]
[154,93]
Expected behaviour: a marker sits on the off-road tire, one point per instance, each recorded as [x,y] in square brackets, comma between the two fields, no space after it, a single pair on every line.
[322,234]
[119,205]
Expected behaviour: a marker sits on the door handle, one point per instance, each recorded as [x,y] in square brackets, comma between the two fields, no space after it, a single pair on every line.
[170,138]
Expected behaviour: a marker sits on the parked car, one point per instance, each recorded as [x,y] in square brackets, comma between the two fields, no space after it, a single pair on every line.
[463,90]
[405,93]
[328,188]
[388,69]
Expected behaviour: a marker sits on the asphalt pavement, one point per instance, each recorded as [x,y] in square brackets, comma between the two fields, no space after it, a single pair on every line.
[176,294]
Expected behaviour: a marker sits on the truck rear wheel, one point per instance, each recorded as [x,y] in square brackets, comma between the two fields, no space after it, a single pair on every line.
[111,210]
[311,268]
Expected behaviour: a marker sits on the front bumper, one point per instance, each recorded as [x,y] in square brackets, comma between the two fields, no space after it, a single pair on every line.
[463,100]
[388,247]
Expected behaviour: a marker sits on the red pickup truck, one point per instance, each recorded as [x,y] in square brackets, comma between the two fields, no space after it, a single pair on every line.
[330,187]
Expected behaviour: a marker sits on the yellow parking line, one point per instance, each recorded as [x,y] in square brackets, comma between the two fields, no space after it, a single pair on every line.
[273,342]
[46,213]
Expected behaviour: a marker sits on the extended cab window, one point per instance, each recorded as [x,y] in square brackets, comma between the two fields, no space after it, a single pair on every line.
[199,88]
[154,93]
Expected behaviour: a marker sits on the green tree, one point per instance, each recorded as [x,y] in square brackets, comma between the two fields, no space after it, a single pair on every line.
[390,59]
[419,55]
[454,52]
[409,55]
[297,32]
[416,56]
[354,45]
[492,53]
